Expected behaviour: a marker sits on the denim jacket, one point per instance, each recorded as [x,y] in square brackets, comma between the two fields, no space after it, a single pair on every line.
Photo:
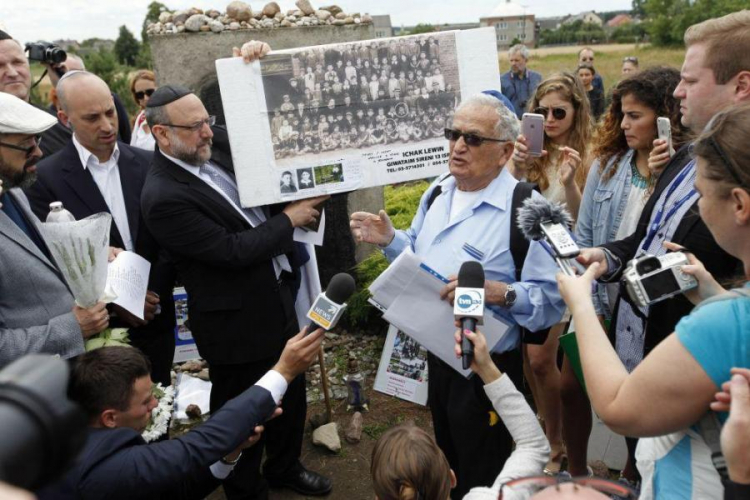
[602,209]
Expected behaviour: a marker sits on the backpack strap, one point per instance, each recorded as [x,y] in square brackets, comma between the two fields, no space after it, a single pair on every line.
[519,245]
[519,248]
[437,191]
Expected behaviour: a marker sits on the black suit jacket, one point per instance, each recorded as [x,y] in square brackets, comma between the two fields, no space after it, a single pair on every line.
[118,464]
[691,233]
[239,313]
[61,177]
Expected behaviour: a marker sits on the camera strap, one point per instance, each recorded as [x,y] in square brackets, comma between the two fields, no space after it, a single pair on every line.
[660,218]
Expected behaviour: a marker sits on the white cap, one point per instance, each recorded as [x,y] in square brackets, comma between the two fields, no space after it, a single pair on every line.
[19,117]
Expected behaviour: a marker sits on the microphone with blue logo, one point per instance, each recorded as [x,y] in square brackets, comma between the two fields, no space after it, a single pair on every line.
[329,305]
[468,306]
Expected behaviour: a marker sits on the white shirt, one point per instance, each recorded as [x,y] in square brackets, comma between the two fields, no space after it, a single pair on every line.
[280,262]
[274,383]
[107,178]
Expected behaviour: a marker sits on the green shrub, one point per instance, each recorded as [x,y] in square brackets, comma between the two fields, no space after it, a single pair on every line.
[401,203]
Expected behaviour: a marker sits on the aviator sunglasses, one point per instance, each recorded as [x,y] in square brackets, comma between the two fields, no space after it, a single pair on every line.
[557,113]
[142,93]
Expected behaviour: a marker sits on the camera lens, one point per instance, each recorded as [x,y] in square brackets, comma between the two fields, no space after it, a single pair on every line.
[55,55]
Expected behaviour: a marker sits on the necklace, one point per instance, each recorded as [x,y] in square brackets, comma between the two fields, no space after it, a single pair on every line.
[636,178]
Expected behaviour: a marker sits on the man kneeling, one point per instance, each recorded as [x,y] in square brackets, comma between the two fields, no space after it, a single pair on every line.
[113,386]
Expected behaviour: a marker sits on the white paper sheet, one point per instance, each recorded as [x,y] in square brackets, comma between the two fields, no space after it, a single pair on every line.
[127,277]
[312,237]
[402,371]
[410,293]
[191,391]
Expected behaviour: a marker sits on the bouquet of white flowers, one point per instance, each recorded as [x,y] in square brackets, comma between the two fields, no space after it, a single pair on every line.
[81,249]
[161,414]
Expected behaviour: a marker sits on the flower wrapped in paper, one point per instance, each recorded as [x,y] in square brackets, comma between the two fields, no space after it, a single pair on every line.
[81,249]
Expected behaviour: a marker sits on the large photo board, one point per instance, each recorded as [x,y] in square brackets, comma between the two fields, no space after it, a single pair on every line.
[335,118]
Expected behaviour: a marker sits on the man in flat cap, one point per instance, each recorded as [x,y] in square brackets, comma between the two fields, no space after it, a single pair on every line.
[240,267]
[95,172]
[15,79]
[37,310]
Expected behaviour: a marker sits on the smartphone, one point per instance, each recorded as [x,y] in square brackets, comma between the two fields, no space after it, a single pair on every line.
[664,130]
[532,127]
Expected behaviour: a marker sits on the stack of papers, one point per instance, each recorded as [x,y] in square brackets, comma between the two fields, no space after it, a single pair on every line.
[408,293]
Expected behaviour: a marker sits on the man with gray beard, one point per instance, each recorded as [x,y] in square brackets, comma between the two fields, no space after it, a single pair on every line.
[240,267]
[37,310]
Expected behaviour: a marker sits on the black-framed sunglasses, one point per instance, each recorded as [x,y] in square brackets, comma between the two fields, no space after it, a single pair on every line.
[143,93]
[26,149]
[531,485]
[469,139]
[630,59]
[557,113]
[210,121]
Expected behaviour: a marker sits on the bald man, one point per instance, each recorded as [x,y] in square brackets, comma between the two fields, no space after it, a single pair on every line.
[95,172]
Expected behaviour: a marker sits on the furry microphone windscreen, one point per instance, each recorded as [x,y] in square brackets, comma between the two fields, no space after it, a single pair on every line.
[537,210]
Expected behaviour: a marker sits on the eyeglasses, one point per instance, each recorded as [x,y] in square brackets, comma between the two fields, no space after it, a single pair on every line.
[210,121]
[531,485]
[469,139]
[557,113]
[28,149]
[142,93]
[631,59]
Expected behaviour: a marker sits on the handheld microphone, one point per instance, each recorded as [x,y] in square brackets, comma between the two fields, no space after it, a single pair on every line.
[547,222]
[468,306]
[329,305]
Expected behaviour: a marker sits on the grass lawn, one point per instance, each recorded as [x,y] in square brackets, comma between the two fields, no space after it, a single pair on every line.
[608,64]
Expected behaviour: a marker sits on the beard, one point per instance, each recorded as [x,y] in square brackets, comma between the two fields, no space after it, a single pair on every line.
[17,179]
[192,155]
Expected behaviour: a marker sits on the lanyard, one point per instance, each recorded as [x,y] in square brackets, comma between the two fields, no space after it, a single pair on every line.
[654,228]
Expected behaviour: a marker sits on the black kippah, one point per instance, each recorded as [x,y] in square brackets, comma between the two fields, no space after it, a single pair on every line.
[5,36]
[166,94]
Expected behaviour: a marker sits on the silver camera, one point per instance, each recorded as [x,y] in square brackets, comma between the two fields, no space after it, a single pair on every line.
[650,279]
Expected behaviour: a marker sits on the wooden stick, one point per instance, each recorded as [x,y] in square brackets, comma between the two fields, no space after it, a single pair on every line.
[324,380]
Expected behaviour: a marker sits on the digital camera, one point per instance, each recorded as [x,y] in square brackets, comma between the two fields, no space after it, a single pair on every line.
[650,279]
[46,52]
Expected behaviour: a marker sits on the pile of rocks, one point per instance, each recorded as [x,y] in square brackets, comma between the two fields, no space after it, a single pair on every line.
[239,16]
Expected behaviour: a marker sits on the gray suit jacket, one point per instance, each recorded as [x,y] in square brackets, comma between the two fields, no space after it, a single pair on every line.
[36,306]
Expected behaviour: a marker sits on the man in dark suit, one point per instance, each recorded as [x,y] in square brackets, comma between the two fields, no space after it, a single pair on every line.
[113,386]
[240,269]
[95,173]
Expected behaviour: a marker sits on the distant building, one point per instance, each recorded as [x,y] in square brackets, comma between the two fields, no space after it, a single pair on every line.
[619,20]
[511,22]
[549,23]
[456,26]
[586,17]
[382,25]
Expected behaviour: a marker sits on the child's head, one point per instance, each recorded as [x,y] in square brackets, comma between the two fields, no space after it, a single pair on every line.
[408,465]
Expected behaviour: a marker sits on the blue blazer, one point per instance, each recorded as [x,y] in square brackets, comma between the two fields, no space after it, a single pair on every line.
[118,464]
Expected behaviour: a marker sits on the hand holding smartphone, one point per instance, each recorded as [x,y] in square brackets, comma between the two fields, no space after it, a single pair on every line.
[664,131]
[532,128]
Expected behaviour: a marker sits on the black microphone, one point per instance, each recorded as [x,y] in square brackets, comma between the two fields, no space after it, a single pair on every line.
[468,306]
[329,305]
[542,220]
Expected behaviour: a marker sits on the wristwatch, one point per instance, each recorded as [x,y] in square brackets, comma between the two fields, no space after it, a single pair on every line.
[510,296]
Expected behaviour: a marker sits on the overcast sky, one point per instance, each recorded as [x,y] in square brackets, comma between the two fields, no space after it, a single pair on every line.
[29,20]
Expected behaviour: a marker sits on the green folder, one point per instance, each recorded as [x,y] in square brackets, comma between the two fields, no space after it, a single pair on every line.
[570,346]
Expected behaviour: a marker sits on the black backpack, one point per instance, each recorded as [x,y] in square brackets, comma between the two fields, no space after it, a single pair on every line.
[519,245]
